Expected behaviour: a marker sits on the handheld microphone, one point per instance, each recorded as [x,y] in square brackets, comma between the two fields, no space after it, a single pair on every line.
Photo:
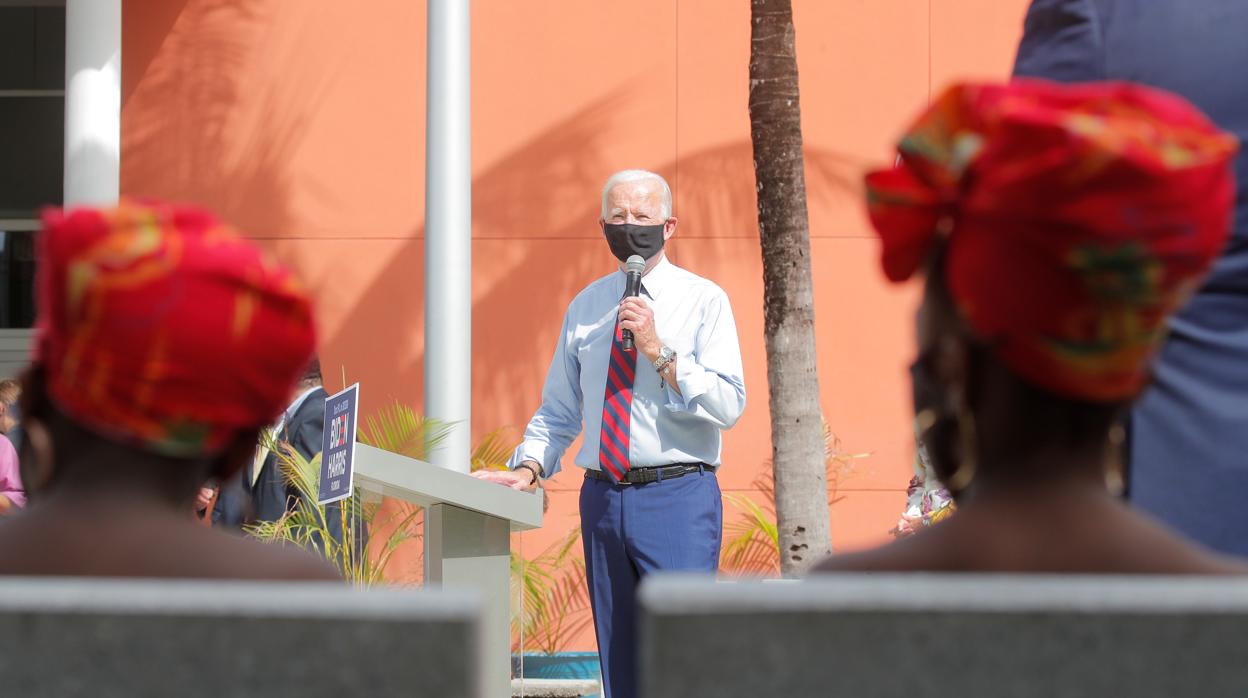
[632,287]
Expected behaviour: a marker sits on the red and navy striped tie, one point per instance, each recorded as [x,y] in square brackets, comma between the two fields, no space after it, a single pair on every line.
[617,407]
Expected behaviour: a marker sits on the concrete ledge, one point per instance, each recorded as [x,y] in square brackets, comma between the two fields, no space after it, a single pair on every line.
[553,688]
[970,636]
[63,638]
[954,592]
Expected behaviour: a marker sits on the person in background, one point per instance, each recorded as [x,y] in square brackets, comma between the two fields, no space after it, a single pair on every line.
[1058,228]
[164,343]
[1187,435]
[12,495]
[302,425]
[927,500]
[261,492]
[10,412]
[653,416]
[10,391]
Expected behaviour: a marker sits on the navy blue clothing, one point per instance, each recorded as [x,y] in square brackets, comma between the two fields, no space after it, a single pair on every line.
[272,496]
[234,506]
[303,430]
[1189,432]
[629,531]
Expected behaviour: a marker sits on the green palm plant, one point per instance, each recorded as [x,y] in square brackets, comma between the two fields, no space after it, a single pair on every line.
[550,595]
[307,525]
[752,543]
[493,451]
[549,598]
[397,428]
[400,429]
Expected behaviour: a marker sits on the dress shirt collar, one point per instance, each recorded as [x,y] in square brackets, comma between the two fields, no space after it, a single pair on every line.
[653,283]
[294,406]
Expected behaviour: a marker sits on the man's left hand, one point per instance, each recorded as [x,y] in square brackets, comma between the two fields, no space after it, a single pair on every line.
[637,317]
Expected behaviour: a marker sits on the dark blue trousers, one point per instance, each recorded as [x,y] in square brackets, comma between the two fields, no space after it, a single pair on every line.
[629,531]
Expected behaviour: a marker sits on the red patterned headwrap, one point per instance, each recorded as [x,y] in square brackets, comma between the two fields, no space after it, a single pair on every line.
[1077,219]
[160,326]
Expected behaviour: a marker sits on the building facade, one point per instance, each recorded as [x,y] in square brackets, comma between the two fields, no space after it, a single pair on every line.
[302,123]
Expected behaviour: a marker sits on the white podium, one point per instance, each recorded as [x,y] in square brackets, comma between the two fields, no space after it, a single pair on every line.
[468,524]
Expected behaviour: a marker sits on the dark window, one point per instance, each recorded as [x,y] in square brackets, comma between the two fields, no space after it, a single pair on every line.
[32,48]
[17,279]
[32,154]
[17,48]
[32,143]
[32,109]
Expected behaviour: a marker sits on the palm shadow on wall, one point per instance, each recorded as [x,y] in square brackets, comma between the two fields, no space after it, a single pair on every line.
[535,211]
[535,228]
[536,239]
[534,218]
[182,116]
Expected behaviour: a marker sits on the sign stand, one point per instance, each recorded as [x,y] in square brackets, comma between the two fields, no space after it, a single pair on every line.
[468,527]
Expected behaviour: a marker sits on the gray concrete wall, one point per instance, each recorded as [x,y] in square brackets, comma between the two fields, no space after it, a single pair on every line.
[966,637]
[113,638]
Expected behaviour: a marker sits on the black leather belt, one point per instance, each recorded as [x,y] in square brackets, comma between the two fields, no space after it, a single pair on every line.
[641,476]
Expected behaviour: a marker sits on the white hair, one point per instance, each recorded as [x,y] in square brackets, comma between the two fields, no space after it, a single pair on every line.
[626,176]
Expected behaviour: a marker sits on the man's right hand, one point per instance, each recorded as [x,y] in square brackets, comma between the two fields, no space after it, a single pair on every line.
[520,479]
[204,498]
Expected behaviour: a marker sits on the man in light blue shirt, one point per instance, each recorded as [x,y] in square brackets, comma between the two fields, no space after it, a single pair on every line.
[652,417]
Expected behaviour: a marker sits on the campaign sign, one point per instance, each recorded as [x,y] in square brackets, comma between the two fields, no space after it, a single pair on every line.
[338,445]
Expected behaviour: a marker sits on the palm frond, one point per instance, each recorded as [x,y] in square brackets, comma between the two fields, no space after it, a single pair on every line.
[570,611]
[555,597]
[757,519]
[400,429]
[307,524]
[753,543]
[494,450]
[549,594]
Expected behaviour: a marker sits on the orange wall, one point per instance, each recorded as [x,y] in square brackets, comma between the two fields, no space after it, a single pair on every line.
[303,124]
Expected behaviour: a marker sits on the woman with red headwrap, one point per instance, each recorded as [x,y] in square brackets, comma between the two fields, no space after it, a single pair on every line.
[164,344]
[1057,228]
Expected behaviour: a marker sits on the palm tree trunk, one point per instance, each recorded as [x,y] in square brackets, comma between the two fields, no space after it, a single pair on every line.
[788,303]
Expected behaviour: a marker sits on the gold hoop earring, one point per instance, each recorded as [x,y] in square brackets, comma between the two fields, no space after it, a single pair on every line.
[1115,481]
[924,421]
[965,473]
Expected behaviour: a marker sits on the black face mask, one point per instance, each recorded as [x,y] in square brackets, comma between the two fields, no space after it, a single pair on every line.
[627,240]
